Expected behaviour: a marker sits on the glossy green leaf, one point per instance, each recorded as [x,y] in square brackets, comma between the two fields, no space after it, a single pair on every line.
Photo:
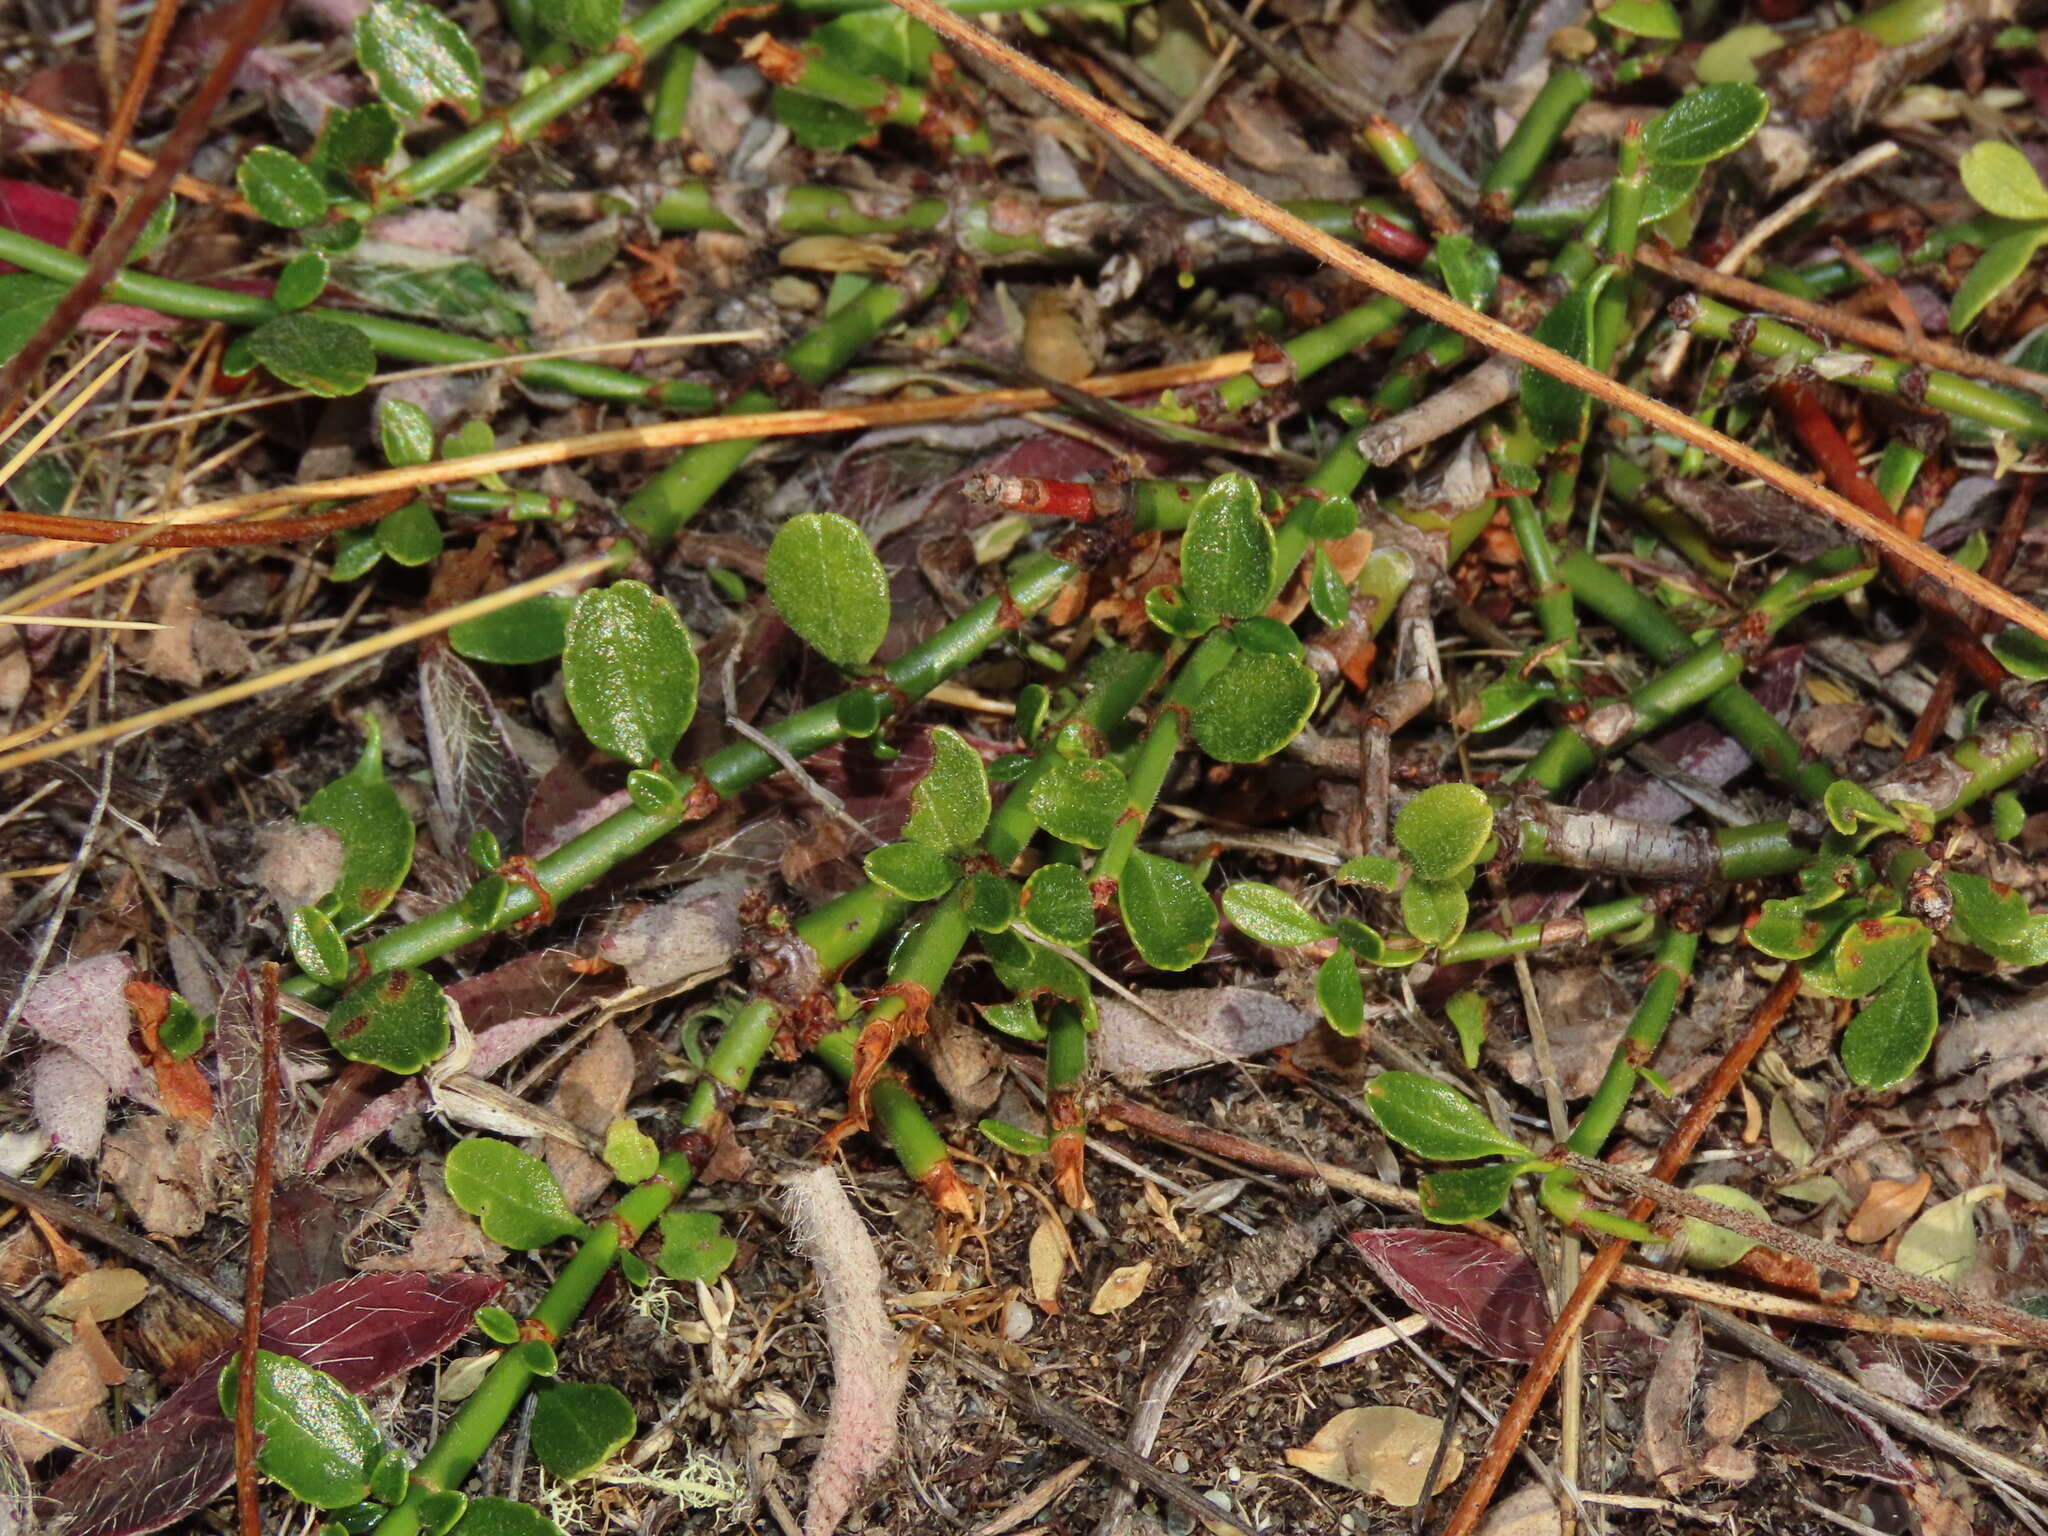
[319,1442]
[398,1021]
[1731,57]
[2021,652]
[1710,1247]
[404,432]
[302,281]
[825,581]
[586,23]
[281,189]
[1643,18]
[1665,190]
[1226,556]
[1057,903]
[1014,1138]
[497,1325]
[1434,1120]
[2003,181]
[1080,800]
[1850,808]
[1340,993]
[411,535]
[1017,1020]
[1469,1012]
[578,1426]
[511,1193]
[26,301]
[2000,264]
[313,353]
[2008,816]
[1713,121]
[912,870]
[390,1474]
[694,1247]
[1361,939]
[1329,594]
[630,672]
[1335,517]
[1169,611]
[1458,1195]
[183,1031]
[1443,829]
[355,554]
[886,43]
[1270,915]
[1556,410]
[1785,929]
[499,1517]
[1470,269]
[1873,950]
[527,632]
[316,948]
[1263,636]
[1373,871]
[418,56]
[1168,915]
[1997,920]
[949,808]
[354,140]
[1254,707]
[1504,701]
[376,836]
[1893,1032]
[989,901]
[630,1152]
[1435,910]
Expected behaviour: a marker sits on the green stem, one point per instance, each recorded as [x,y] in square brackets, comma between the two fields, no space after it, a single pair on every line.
[1587,925]
[1314,350]
[1532,141]
[1665,983]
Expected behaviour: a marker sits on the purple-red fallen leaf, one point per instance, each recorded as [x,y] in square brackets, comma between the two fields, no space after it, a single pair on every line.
[1483,1296]
[362,1331]
[1814,1428]
[1910,1371]
[39,212]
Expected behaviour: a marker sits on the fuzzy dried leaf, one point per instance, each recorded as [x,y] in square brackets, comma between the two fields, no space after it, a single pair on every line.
[1384,1451]
[65,1400]
[592,1091]
[1202,1025]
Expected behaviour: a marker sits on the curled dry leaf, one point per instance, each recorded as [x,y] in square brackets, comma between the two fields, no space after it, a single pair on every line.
[1887,1206]
[1048,1263]
[1384,1451]
[1123,1287]
[65,1401]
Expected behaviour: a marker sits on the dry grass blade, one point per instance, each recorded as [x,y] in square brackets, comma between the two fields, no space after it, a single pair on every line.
[1483,329]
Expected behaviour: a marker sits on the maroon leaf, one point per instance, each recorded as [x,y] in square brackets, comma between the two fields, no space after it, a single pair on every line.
[1483,1296]
[362,1331]
[1812,1427]
[1910,1371]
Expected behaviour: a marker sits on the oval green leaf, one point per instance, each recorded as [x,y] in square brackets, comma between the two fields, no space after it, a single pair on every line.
[303,280]
[578,1426]
[1875,949]
[418,58]
[1892,1033]
[398,1021]
[950,806]
[1057,904]
[411,535]
[1644,18]
[630,1152]
[989,902]
[280,189]
[1556,410]
[489,1517]
[1340,993]
[526,632]
[1459,1195]
[1469,1012]
[511,1193]
[825,581]
[1435,910]
[1713,121]
[1168,915]
[586,23]
[1329,594]
[1443,829]
[404,432]
[1434,1120]
[1226,556]
[316,948]
[309,352]
[319,1442]
[1270,915]
[1254,707]
[630,672]
[2003,181]
[376,836]
[693,1247]
[1080,799]
[912,870]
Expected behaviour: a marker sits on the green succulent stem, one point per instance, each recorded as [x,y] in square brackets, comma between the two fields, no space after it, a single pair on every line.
[1535,136]
[1665,982]
[1586,926]
[1314,350]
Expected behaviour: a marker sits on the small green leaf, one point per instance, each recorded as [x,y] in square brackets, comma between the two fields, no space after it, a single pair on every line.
[1226,556]
[586,23]
[1263,636]
[1873,950]
[1172,614]
[376,836]
[1079,800]
[1469,1012]
[818,124]
[1892,1033]
[630,1152]
[1364,941]
[355,139]
[1254,707]
[1470,269]
[319,1442]
[1014,1138]
[1270,915]
[825,581]
[630,672]
[1434,1120]
[442,1509]
[1459,1195]
[417,58]
[1329,594]
[511,1193]
[2008,816]
[1017,1020]
[1713,121]
[912,870]
[1443,829]
[1997,920]
[1435,910]
[183,1031]
[1556,410]
[693,1247]
[1665,190]
[355,554]
[2022,653]
[950,805]
[302,281]
[1166,912]
[155,231]
[404,432]
[1373,871]
[1032,971]
[26,301]
[1504,701]
[1731,57]
[1340,993]
[1643,18]
[1998,266]
[1336,517]
[316,948]
[2003,181]
[527,632]
[989,901]
[1710,1247]
[1058,905]
[578,1426]
[497,1325]
[398,1021]
[411,535]
[1850,807]
[494,1517]
[389,1475]
[280,189]
[310,352]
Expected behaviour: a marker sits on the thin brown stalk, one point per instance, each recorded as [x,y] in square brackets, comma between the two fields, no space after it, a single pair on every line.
[248,1492]
[1521,1412]
[131,162]
[93,530]
[1487,331]
[140,73]
[2010,528]
[138,1250]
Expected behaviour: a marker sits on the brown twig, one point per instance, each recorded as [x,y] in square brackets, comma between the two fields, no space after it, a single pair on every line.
[1514,1423]
[2010,528]
[250,20]
[1838,322]
[93,530]
[2015,1324]
[140,73]
[98,1229]
[248,1492]
[1484,329]
[132,162]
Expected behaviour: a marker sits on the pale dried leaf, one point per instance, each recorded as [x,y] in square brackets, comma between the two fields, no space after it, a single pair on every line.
[70,1100]
[1048,1263]
[1530,1510]
[1942,1244]
[688,939]
[1384,1451]
[1123,1287]
[65,1400]
[1201,1026]
[592,1092]
[297,863]
[1664,1450]
[106,1293]
[1887,1205]
[479,779]
[165,1171]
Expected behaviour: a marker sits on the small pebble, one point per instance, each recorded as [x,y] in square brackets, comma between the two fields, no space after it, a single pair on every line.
[1016,1319]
